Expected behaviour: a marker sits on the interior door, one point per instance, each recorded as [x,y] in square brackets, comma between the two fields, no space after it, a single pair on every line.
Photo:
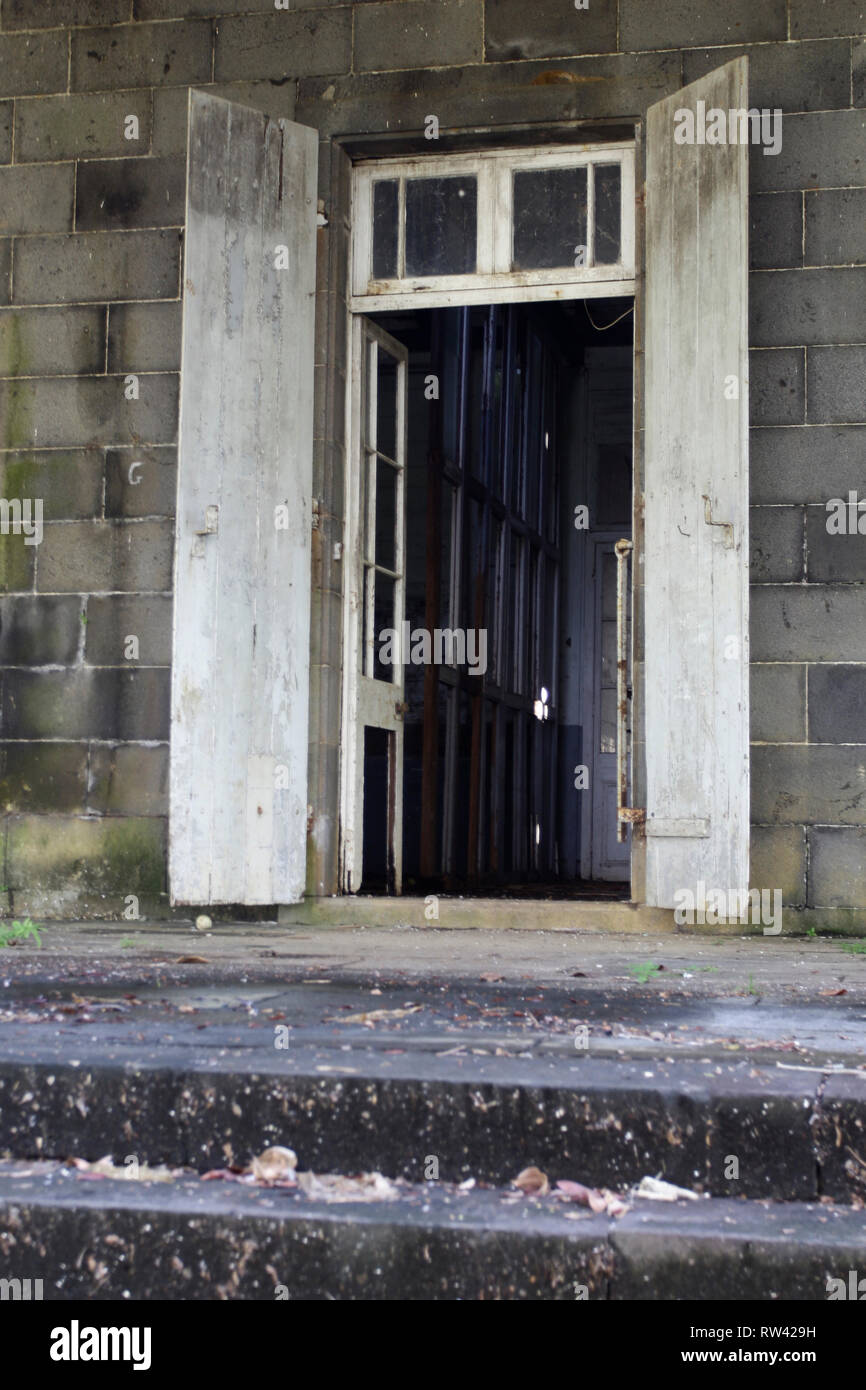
[240,664]
[375,590]
[608,857]
[696,542]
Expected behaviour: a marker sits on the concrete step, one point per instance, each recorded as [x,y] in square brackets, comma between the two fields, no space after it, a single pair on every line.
[186,1239]
[729,1129]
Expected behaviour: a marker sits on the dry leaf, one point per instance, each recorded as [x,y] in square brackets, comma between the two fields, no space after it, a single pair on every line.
[660,1191]
[191,960]
[491,977]
[275,1164]
[377,1015]
[533,1182]
[334,1187]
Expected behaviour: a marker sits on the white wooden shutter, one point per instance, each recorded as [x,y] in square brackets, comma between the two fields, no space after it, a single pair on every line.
[696,486]
[240,674]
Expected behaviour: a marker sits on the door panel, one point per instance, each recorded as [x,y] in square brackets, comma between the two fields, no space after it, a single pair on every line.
[375,589]
[240,666]
[696,500]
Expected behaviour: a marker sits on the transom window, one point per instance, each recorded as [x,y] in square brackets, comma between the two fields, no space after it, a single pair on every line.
[473,227]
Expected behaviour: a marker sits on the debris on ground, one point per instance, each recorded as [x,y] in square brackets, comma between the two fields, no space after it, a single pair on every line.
[657,1190]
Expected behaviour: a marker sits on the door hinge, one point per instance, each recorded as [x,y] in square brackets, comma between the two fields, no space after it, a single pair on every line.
[632,815]
[401,708]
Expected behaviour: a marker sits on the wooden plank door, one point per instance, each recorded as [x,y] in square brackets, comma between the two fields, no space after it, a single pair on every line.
[240,672]
[696,551]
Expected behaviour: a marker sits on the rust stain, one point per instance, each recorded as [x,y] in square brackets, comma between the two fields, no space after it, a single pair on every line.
[556,76]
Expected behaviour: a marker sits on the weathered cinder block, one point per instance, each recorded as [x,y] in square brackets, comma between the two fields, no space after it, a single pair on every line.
[86,703]
[58,411]
[837,704]
[817,622]
[286,44]
[75,855]
[858,71]
[825,149]
[71,127]
[179,9]
[835,383]
[808,784]
[833,557]
[809,463]
[778,703]
[69,482]
[492,93]
[116,193]
[36,199]
[434,32]
[128,780]
[144,337]
[149,489]
[141,55]
[5,131]
[777,387]
[40,630]
[784,76]
[837,869]
[96,266]
[549,30]
[111,620]
[775,544]
[17,564]
[807,306]
[45,342]
[43,776]
[775,230]
[836,227]
[31,63]
[680,22]
[778,860]
[5,269]
[48,14]
[106,557]
[827,18]
[170,120]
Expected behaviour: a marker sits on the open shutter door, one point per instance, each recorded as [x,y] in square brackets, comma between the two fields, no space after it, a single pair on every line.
[696,496]
[240,675]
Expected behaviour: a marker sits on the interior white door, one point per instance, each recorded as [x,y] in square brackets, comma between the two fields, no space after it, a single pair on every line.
[375,597]
[696,549]
[240,672]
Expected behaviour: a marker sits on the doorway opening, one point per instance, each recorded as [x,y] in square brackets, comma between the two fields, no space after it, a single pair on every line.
[491,579]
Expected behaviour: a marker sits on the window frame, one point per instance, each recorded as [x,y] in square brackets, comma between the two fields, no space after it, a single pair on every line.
[493,281]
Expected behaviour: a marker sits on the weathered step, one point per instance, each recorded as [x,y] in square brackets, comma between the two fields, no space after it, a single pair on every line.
[187,1239]
[734,1129]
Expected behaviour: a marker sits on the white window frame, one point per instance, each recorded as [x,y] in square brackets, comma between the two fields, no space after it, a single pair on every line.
[493,280]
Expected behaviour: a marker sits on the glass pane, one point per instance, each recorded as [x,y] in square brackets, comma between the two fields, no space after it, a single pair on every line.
[549,218]
[386,404]
[386,515]
[607,723]
[385,225]
[607,214]
[440,226]
[385,635]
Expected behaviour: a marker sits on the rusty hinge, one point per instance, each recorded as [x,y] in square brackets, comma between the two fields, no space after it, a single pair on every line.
[633,815]
[401,708]
[315,511]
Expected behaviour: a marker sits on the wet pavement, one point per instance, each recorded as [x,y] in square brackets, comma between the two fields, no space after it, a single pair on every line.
[135,991]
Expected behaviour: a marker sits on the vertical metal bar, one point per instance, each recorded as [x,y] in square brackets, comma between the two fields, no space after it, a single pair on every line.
[622,550]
